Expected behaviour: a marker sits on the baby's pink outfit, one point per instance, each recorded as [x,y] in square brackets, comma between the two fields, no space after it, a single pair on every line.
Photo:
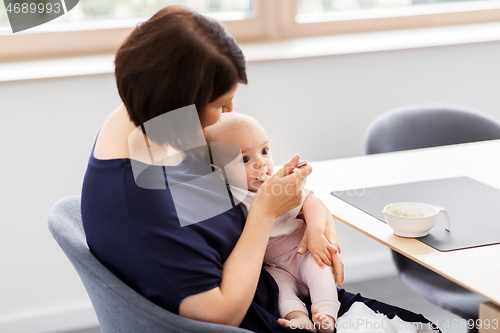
[297,274]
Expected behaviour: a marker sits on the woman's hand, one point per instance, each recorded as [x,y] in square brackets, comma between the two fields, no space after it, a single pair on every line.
[282,191]
[331,233]
[337,264]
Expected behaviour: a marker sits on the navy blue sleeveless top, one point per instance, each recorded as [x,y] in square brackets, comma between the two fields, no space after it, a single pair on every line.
[136,234]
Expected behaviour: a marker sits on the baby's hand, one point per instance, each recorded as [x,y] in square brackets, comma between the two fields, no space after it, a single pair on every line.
[320,249]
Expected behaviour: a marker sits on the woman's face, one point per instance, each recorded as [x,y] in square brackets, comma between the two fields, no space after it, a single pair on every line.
[213,111]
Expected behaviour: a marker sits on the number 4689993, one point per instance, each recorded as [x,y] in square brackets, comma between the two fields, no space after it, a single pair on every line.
[33,8]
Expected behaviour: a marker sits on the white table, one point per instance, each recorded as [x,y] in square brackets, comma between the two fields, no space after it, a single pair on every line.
[477,269]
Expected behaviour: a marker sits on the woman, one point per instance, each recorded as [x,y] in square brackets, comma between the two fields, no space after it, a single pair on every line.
[210,270]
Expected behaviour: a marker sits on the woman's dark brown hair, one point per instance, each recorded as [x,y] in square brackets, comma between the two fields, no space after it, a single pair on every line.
[175,59]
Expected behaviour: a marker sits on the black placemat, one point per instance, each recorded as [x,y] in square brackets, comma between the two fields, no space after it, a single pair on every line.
[474,209]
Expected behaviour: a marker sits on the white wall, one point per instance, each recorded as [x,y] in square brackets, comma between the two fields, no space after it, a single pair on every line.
[321,107]
[318,107]
[49,127]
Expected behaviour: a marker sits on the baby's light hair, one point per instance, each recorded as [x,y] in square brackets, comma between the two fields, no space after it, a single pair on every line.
[227,122]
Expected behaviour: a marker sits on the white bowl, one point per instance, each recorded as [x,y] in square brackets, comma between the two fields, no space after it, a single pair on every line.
[419,219]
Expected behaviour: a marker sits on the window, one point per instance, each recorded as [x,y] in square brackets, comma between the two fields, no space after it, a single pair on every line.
[3,15]
[314,7]
[319,17]
[99,26]
[116,9]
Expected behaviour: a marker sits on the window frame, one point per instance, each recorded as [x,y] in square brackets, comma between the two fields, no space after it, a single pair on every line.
[89,39]
[290,28]
[270,20]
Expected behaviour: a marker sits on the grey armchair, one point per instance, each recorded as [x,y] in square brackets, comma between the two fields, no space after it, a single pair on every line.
[118,307]
[428,125]
[421,126]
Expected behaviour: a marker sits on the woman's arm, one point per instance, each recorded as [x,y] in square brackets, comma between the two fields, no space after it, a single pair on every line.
[229,303]
[331,235]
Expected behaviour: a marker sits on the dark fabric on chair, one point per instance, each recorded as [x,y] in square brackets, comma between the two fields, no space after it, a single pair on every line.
[428,125]
[422,126]
[119,308]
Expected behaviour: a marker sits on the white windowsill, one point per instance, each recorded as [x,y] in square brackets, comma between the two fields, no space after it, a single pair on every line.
[278,50]
[372,42]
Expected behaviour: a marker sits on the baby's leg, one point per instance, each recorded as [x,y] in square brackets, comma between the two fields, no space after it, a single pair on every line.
[323,291]
[290,306]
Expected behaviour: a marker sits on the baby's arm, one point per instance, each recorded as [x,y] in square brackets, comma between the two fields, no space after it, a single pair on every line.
[315,215]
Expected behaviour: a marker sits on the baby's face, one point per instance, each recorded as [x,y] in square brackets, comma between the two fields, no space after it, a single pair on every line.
[256,151]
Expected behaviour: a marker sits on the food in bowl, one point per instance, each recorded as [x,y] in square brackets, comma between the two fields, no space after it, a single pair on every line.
[390,208]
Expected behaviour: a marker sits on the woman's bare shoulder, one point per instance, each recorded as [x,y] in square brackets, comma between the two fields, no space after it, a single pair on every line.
[112,142]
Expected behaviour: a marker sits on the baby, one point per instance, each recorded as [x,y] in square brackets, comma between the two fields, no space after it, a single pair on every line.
[296,274]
